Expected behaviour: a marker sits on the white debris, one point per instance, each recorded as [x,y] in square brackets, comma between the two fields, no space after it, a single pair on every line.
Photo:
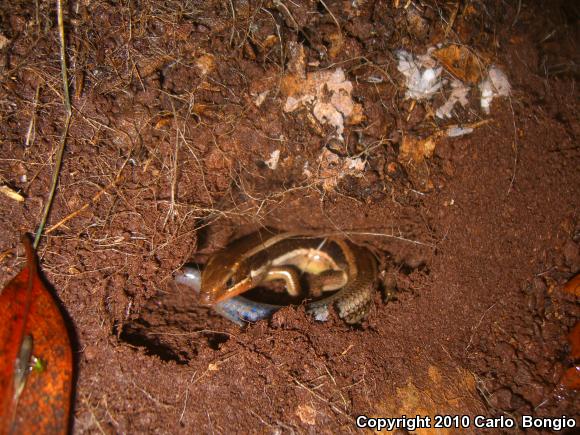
[333,168]
[316,89]
[496,84]
[294,103]
[458,95]
[458,131]
[261,98]
[272,162]
[423,79]
[375,79]
[355,166]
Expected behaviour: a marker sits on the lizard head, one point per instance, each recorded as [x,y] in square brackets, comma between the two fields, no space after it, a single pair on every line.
[220,280]
[228,273]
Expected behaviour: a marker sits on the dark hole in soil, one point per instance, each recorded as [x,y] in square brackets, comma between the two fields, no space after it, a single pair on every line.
[407,269]
[215,340]
[137,336]
[174,327]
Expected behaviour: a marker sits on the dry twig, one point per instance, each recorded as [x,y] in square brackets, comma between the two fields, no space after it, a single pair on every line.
[60,152]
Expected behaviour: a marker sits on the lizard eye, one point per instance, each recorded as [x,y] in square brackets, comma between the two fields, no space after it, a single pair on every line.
[230,282]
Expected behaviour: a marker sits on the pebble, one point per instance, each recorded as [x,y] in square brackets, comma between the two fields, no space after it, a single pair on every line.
[89,352]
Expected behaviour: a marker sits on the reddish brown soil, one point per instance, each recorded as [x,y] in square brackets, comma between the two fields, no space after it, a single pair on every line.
[471,318]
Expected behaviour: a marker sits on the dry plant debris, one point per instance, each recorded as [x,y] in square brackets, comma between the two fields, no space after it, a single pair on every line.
[423,77]
[333,168]
[327,94]
[412,155]
[458,95]
[460,62]
[306,414]
[574,340]
[11,193]
[272,162]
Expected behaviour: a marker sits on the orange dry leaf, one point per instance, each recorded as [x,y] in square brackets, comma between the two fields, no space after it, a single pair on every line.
[574,340]
[416,149]
[35,356]
[461,62]
[573,286]
[164,121]
[571,378]
[412,155]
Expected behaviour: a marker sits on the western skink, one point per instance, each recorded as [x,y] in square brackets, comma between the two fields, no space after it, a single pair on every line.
[322,263]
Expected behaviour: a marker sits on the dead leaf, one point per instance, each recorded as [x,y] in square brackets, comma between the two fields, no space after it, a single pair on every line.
[149,66]
[249,51]
[417,25]
[306,414]
[574,340]
[35,356]
[461,62]
[571,378]
[4,254]
[261,98]
[357,115]
[416,149]
[412,155]
[297,62]
[573,286]
[164,121]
